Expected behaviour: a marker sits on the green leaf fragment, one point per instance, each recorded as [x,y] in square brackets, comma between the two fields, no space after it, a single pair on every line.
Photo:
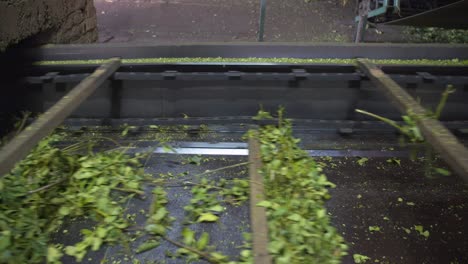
[274,247]
[160,214]
[207,217]
[362,161]
[360,258]
[218,256]
[216,208]
[295,217]
[421,231]
[53,254]
[188,236]
[442,171]
[147,245]
[203,241]
[156,229]
[266,204]
[374,228]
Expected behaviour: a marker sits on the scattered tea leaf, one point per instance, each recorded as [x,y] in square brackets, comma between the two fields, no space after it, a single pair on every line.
[362,161]
[358,259]
[147,245]
[207,217]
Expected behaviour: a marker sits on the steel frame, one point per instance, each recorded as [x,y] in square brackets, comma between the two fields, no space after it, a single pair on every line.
[22,144]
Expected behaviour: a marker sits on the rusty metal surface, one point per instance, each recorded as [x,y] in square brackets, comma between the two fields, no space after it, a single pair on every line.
[453,152]
[20,146]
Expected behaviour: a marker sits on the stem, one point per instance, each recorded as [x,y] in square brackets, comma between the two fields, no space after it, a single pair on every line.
[204,185]
[428,161]
[74,147]
[43,188]
[223,168]
[129,190]
[23,122]
[443,101]
[193,250]
[381,118]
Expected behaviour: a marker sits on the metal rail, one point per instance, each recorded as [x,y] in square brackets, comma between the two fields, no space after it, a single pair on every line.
[453,152]
[259,224]
[241,50]
[20,146]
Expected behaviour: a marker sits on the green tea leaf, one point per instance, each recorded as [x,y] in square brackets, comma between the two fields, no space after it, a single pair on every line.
[421,231]
[207,217]
[442,171]
[218,256]
[203,241]
[264,204]
[53,254]
[155,229]
[188,235]
[362,161]
[295,217]
[360,258]
[160,214]
[147,245]
[217,208]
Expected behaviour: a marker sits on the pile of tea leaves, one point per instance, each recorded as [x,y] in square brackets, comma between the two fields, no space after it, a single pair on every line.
[296,190]
[54,184]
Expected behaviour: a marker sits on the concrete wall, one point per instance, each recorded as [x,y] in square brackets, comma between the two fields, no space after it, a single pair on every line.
[47,21]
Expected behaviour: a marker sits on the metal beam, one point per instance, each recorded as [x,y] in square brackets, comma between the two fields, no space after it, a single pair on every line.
[22,144]
[436,134]
[258,220]
[303,50]
[261,26]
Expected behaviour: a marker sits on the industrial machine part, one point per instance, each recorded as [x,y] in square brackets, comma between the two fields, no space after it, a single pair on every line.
[431,13]
[363,157]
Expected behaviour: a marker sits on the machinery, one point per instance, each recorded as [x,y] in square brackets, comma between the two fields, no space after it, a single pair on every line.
[432,13]
[158,97]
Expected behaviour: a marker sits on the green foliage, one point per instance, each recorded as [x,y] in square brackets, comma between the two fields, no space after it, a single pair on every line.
[412,133]
[261,115]
[421,231]
[409,128]
[205,205]
[362,161]
[204,199]
[194,160]
[437,35]
[148,245]
[52,184]
[358,259]
[159,219]
[299,227]
[394,161]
